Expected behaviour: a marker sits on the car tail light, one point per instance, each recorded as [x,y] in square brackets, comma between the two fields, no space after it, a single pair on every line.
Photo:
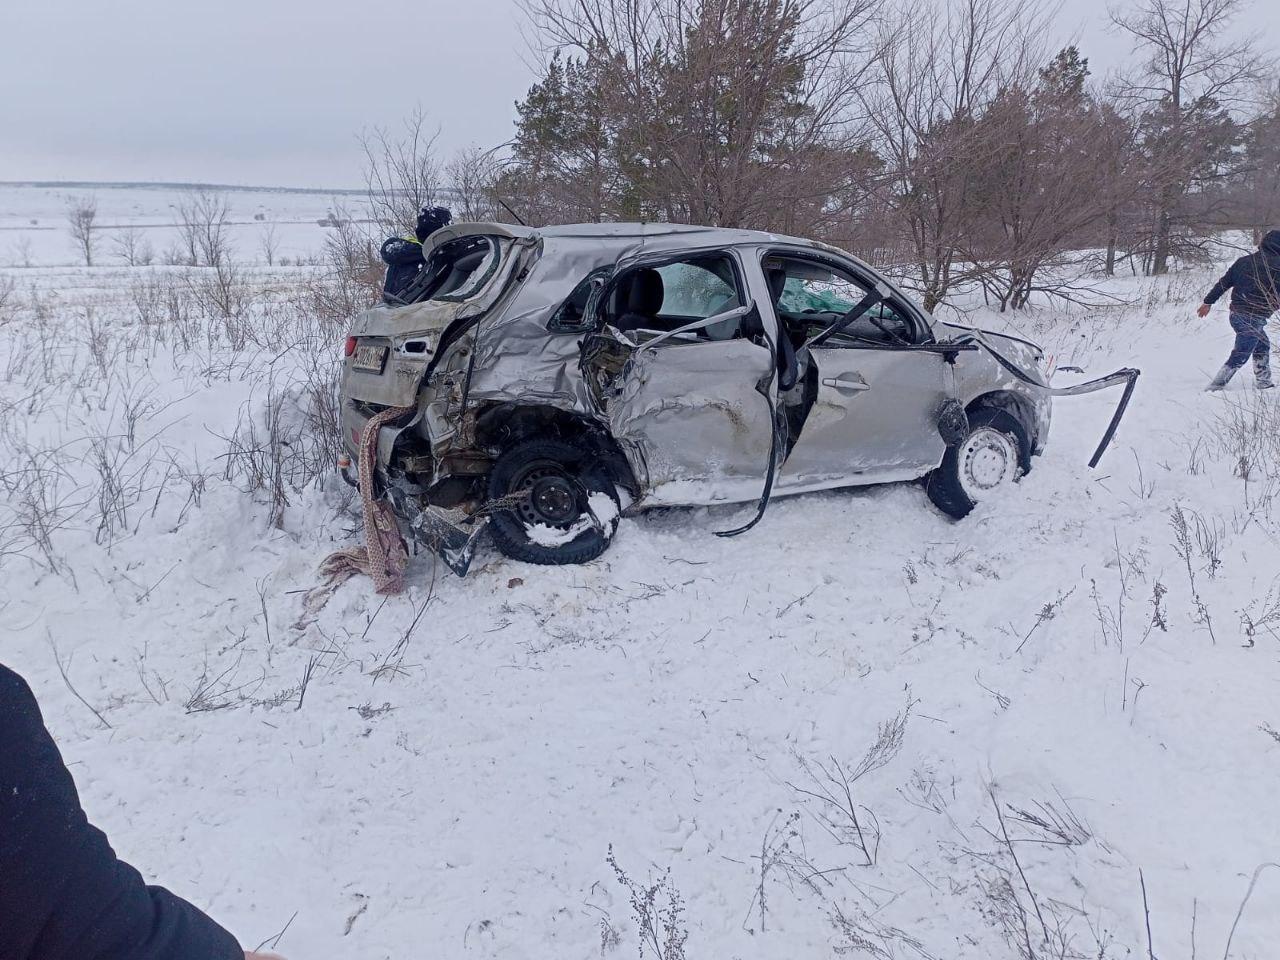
[349,347]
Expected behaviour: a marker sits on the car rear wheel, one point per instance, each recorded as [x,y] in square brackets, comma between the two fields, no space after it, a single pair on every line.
[563,508]
[989,460]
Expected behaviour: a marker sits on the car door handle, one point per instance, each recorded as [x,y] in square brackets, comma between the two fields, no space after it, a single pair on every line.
[846,383]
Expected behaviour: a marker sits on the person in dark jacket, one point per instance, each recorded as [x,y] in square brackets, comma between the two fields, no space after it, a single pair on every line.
[63,893]
[403,255]
[1254,282]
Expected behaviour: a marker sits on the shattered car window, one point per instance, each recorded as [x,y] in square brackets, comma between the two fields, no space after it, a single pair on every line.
[799,296]
[698,289]
[458,270]
[814,296]
[572,314]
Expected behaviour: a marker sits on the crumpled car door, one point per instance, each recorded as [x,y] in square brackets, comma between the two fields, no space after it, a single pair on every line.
[694,418]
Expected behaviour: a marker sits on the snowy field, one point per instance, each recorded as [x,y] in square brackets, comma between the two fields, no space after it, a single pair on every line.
[34,231]
[860,729]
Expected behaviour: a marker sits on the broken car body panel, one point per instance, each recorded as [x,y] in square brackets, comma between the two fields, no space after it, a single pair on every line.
[708,390]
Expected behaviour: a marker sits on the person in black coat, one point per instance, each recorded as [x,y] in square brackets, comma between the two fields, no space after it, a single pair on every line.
[64,895]
[403,255]
[1254,282]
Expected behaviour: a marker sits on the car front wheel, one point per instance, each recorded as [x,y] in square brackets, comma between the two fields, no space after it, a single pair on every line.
[989,460]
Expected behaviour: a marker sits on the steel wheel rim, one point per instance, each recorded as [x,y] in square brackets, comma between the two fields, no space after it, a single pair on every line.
[552,497]
[988,461]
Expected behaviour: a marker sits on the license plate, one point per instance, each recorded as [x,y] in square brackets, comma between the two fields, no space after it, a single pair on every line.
[369,357]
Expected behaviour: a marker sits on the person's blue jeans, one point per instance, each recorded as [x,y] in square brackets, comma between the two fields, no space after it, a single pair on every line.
[1251,341]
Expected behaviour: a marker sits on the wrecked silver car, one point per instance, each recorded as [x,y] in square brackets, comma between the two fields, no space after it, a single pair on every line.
[539,382]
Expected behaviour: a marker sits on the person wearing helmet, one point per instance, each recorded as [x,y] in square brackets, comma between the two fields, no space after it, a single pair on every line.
[403,255]
[1254,282]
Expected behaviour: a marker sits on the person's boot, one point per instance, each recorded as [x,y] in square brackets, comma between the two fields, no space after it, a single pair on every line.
[1222,378]
[1262,371]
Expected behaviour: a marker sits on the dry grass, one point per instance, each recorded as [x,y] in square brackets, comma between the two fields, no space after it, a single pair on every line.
[90,442]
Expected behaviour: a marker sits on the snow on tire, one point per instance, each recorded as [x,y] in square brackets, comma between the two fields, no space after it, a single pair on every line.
[988,461]
[568,510]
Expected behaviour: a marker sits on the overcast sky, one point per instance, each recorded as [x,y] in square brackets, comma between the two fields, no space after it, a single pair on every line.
[275,92]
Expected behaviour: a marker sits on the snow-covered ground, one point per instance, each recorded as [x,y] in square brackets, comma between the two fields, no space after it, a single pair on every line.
[1031,708]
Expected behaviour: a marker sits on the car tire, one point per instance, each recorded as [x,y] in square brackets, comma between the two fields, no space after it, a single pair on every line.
[560,479]
[994,454]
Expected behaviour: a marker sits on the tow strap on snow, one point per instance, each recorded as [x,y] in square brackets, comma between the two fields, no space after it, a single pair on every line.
[384,555]
[1126,375]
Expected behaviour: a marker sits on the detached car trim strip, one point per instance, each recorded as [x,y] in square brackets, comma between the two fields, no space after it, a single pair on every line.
[1125,375]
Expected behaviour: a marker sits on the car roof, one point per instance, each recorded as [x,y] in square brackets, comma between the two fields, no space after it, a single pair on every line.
[570,252]
[573,251]
[701,236]
[664,236]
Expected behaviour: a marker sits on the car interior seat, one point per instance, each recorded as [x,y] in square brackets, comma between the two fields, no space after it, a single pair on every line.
[639,298]
[460,271]
[725,329]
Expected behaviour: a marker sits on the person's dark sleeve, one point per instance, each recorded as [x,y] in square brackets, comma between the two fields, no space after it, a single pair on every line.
[1225,283]
[63,893]
[397,251]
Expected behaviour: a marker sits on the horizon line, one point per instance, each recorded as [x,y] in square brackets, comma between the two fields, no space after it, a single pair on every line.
[179,185]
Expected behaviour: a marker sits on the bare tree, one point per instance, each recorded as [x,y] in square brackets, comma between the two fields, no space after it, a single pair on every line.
[132,247]
[1119,181]
[81,212]
[402,174]
[8,295]
[202,220]
[174,255]
[267,241]
[1258,194]
[22,251]
[1191,73]
[354,275]
[471,175]
[941,64]
[187,247]
[1035,187]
